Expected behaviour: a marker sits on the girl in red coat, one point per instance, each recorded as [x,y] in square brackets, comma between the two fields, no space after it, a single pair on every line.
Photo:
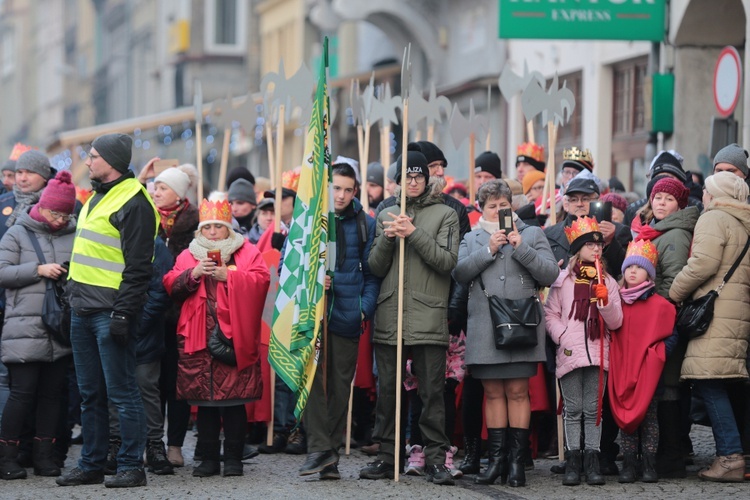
[220,280]
[636,359]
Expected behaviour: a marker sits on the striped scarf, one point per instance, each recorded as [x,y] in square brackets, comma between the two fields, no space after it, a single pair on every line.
[584,301]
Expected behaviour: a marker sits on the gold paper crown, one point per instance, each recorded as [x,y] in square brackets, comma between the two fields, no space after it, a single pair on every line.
[531,150]
[576,154]
[643,248]
[215,211]
[581,226]
[18,150]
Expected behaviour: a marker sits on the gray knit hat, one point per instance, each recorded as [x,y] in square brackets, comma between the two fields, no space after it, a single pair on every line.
[734,155]
[116,149]
[9,165]
[37,162]
[242,190]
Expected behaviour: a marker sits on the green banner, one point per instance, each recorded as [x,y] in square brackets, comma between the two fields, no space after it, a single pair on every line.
[583,19]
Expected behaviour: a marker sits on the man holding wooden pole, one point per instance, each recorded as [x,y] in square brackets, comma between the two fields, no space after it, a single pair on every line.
[430,253]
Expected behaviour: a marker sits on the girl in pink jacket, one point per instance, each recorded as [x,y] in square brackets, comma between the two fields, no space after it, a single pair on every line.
[579,315]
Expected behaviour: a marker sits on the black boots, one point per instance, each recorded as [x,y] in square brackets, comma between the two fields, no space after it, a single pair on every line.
[9,466]
[649,474]
[628,470]
[233,457]
[42,455]
[572,475]
[498,466]
[591,468]
[518,453]
[671,460]
[210,464]
[472,453]
[110,468]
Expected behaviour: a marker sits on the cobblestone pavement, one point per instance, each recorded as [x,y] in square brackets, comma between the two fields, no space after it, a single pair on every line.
[275,476]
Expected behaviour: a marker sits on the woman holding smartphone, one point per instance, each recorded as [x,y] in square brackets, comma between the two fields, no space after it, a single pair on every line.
[513,260]
[221,281]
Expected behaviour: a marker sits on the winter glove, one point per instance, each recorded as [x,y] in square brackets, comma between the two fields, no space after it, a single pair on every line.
[277,241]
[602,294]
[119,329]
[455,322]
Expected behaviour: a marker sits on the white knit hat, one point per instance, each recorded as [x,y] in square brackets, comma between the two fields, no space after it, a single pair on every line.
[177,180]
[727,185]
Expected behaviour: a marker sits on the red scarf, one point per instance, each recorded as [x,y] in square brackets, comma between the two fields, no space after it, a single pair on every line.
[584,302]
[644,231]
[169,216]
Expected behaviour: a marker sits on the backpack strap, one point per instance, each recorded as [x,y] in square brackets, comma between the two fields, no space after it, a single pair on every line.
[362,233]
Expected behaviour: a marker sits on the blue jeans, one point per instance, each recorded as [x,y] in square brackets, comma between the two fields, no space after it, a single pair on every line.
[719,410]
[283,407]
[105,369]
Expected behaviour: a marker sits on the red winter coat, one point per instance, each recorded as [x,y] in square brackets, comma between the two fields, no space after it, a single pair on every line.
[239,304]
[636,358]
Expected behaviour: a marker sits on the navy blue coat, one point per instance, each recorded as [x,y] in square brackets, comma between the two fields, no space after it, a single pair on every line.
[150,335]
[354,289]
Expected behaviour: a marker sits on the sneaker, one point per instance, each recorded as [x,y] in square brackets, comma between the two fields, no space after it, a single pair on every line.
[318,461]
[415,464]
[130,478]
[330,472]
[277,445]
[449,454]
[377,470]
[156,458]
[439,474]
[296,444]
[77,477]
[249,451]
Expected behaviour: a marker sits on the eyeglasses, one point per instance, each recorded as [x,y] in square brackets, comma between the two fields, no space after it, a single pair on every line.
[92,156]
[575,200]
[418,179]
[594,244]
[59,216]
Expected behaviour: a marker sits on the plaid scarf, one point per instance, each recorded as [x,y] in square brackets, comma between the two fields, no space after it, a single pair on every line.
[169,216]
[584,301]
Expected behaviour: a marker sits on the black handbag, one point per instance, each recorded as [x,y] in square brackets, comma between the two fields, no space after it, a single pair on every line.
[695,316]
[55,309]
[514,322]
[219,346]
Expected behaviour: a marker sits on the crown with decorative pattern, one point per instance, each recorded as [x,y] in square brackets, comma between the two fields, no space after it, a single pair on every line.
[18,150]
[582,231]
[531,153]
[215,212]
[642,253]
[575,154]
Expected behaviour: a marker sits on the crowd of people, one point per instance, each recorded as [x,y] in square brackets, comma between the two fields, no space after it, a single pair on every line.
[163,319]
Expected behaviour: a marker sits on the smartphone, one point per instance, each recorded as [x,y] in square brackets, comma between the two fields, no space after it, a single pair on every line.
[506,219]
[161,165]
[214,255]
[602,210]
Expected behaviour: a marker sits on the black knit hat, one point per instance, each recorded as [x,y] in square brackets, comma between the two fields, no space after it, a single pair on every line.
[116,149]
[416,163]
[429,150]
[489,162]
[667,163]
[240,173]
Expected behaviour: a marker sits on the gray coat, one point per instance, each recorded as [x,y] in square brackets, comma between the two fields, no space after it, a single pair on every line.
[512,274]
[25,339]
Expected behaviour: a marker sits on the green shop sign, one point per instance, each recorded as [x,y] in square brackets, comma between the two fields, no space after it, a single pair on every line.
[583,19]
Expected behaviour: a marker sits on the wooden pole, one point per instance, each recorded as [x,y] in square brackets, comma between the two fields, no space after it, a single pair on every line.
[489,110]
[472,155]
[199,153]
[385,156]
[550,174]
[431,132]
[530,130]
[269,148]
[348,446]
[560,432]
[364,159]
[224,160]
[400,317]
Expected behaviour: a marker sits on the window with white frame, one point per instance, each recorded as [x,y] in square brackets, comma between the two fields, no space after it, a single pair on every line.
[226,27]
[7,52]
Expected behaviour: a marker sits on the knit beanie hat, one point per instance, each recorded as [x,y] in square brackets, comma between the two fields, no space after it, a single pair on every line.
[9,165]
[177,180]
[36,162]
[416,163]
[242,190]
[530,179]
[240,173]
[670,163]
[641,253]
[375,173]
[392,171]
[618,201]
[489,162]
[430,151]
[727,185]
[671,186]
[116,149]
[734,155]
[59,195]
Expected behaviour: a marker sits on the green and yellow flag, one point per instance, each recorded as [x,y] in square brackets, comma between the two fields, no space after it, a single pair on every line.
[294,348]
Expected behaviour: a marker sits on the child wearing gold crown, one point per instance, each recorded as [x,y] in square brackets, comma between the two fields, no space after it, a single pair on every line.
[637,354]
[583,305]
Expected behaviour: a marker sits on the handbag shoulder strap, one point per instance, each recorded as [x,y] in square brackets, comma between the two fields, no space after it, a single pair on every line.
[481,284]
[734,266]
[35,244]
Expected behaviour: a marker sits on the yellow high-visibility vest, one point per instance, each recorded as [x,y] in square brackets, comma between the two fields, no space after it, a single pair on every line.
[97,257]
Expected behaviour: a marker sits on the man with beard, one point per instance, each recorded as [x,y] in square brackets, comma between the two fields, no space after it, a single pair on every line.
[375,191]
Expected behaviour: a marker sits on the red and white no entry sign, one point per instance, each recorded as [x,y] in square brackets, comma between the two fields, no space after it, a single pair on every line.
[727,81]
